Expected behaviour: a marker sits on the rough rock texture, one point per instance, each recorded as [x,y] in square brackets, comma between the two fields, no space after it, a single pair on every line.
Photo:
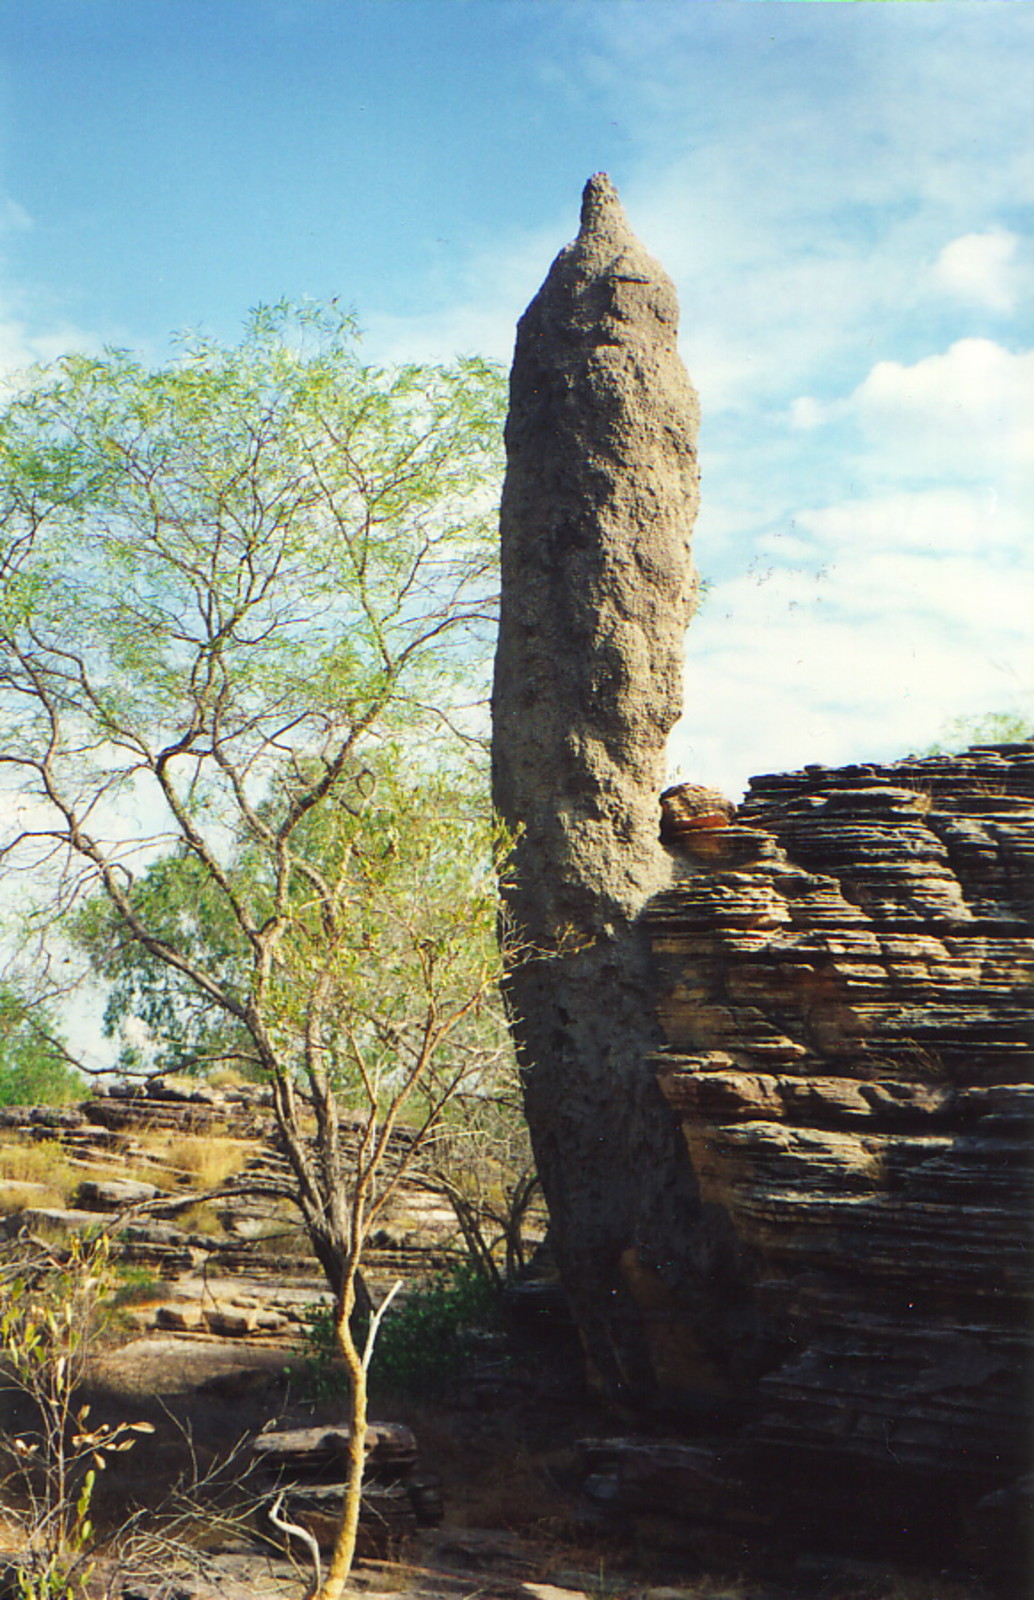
[829,987]
[845,981]
[309,1464]
[598,508]
[248,1274]
[597,589]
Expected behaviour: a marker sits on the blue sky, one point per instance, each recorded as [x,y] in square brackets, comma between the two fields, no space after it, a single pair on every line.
[842,193]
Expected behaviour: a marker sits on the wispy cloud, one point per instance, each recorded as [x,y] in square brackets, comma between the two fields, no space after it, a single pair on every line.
[839,193]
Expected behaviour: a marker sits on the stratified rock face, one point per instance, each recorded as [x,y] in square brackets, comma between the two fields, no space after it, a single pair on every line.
[848,972]
[597,586]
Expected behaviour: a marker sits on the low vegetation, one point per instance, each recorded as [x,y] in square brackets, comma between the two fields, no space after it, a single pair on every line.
[198,1161]
[423,1348]
[54,1311]
[36,1172]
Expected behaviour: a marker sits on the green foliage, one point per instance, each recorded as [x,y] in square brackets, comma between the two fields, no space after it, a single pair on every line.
[433,1334]
[246,608]
[186,1028]
[246,541]
[411,859]
[246,600]
[322,1374]
[421,1347]
[53,1313]
[427,1341]
[135,1286]
[994,727]
[34,1066]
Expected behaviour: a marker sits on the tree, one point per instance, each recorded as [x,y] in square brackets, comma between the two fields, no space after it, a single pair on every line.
[163,1021]
[243,601]
[35,1065]
[993,727]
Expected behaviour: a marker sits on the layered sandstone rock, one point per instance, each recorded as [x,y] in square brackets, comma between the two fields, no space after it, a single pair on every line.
[845,978]
[249,1273]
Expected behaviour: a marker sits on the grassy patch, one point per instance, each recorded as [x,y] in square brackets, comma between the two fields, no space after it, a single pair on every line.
[15,1197]
[201,1161]
[38,1161]
[209,1161]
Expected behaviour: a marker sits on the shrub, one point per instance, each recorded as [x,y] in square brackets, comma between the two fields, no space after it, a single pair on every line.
[54,1311]
[34,1066]
[421,1347]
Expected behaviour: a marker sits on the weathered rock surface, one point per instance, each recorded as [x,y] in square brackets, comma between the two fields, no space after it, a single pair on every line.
[830,984]
[598,508]
[113,1194]
[309,1464]
[845,978]
[597,587]
[301,1452]
[251,1278]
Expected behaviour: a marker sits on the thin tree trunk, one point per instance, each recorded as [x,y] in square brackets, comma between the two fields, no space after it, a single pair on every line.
[358,1366]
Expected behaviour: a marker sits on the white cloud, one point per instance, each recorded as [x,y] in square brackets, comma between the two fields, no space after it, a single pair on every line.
[22,343]
[807,413]
[861,640]
[980,268]
[964,414]
[934,522]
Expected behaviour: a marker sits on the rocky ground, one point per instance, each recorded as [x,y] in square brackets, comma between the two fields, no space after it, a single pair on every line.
[508,1483]
[507,1449]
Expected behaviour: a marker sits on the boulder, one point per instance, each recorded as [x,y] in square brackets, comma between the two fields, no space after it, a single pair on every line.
[391,1450]
[113,1194]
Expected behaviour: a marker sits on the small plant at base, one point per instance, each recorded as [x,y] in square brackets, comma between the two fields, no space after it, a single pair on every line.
[321,1373]
[432,1335]
[52,1316]
[135,1285]
[420,1347]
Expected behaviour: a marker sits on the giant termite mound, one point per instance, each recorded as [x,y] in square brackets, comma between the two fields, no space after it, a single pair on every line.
[598,582]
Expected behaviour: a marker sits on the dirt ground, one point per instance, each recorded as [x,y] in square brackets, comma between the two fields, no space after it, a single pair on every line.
[502,1444]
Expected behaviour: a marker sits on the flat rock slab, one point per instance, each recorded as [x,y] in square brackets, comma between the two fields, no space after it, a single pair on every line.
[112,1194]
[176,1366]
[293,1449]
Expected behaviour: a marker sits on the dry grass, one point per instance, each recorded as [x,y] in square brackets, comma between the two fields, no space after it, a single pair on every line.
[201,1161]
[15,1197]
[200,1219]
[37,1162]
[209,1161]
[37,1172]
[228,1078]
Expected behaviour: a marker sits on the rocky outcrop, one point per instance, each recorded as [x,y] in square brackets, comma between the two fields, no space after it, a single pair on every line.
[845,975]
[597,586]
[243,1270]
[310,1466]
